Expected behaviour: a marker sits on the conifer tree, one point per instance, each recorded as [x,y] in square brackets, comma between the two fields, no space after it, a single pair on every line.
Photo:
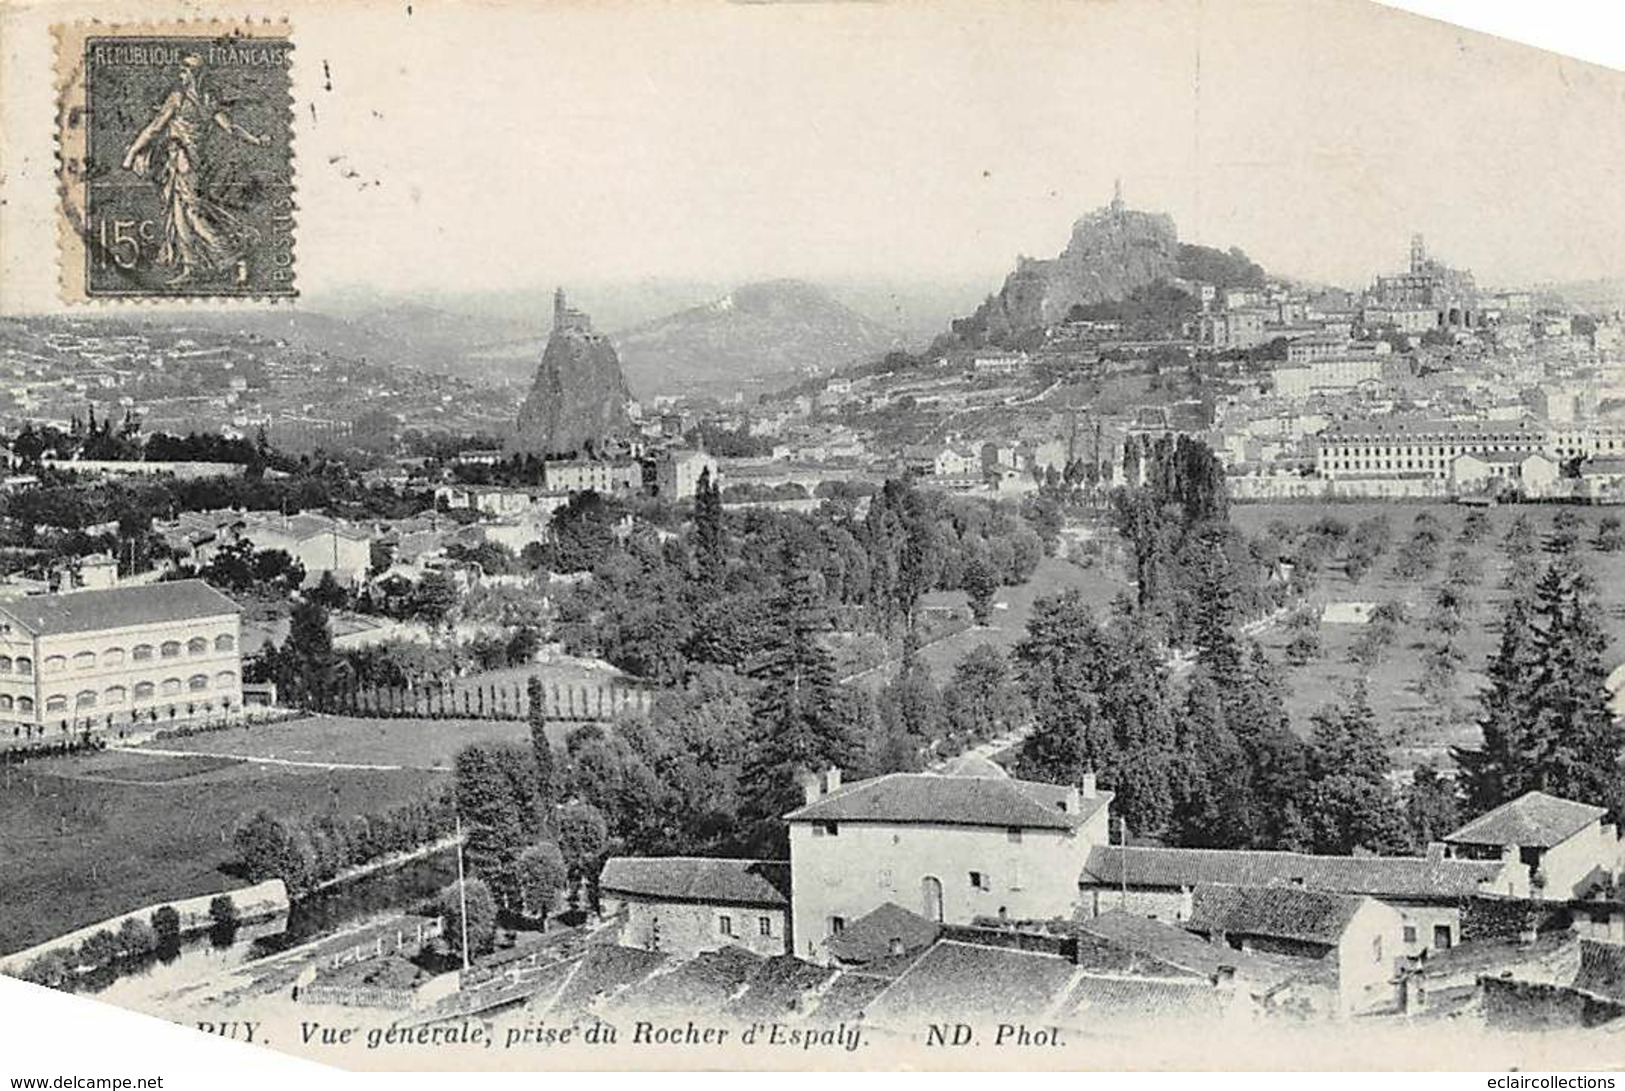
[1350,805]
[708,530]
[1489,770]
[541,749]
[1546,724]
[802,716]
[1212,794]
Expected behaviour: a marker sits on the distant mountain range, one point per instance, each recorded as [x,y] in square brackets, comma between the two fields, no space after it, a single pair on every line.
[757,333]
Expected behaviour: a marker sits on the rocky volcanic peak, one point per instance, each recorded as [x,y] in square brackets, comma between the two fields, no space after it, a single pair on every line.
[579,396]
[1112,251]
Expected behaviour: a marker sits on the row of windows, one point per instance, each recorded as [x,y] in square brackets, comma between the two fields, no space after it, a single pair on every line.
[1449,452]
[117,695]
[725,925]
[115,656]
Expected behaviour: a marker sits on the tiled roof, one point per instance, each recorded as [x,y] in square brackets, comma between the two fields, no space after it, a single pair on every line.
[118,607]
[1282,912]
[1378,876]
[848,997]
[1533,820]
[967,981]
[1602,969]
[871,936]
[974,765]
[704,983]
[299,527]
[1139,1001]
[604,971]
[1414,426]
[779,987]
[698,879]
[1177,947]
[961,801]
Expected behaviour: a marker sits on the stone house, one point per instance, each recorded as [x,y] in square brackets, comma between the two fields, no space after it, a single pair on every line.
[1569,850]
[1354,943]
[954,848]
[688,905]
[1428,891]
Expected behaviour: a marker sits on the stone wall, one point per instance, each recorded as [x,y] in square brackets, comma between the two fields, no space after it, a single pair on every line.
[267,899]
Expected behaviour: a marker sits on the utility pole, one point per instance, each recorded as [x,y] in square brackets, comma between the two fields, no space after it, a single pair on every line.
[1122,834]
[462,888]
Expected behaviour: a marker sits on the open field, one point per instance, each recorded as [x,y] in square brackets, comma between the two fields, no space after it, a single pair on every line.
[93,835]
[427,745]
[1415,729]
[1012,607]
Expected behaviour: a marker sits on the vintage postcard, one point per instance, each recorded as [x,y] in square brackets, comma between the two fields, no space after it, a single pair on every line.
[1059,536]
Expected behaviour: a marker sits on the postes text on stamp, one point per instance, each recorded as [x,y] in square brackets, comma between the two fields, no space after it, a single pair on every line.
[176,161]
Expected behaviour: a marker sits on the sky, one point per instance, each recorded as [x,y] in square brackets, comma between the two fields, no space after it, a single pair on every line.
[469,147]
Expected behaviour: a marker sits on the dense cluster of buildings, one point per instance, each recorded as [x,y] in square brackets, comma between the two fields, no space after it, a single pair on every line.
[973,894]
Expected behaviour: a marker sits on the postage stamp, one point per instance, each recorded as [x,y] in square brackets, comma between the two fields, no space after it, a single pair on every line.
[175,161]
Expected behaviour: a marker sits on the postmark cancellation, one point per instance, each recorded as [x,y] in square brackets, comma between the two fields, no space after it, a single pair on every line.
[175,161]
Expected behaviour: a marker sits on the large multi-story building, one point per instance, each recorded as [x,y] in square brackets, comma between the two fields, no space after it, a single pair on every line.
[601,475]
[951,848]
[678,472]
[1328,374]
[100,660]
[1413,447]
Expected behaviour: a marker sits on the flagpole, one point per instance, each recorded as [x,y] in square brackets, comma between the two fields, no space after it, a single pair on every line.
[462,888]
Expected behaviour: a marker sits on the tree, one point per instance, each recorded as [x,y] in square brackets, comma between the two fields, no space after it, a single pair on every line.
[1350,804]
[710,556]
[804,726]
[1475,528]
[982,700]
[541,748]
[434,597]
[271,847]
[541,875]
[305,667]
[328,593]
[1547,725]
[495,789]
[1431,807]
[981,584]
[166,926]
[1488,771]
[482,917]
[583,838]
[1213,795]
[1610,535]
[1304,644]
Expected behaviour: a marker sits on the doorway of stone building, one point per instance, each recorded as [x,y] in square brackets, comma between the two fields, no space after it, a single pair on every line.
[931,898]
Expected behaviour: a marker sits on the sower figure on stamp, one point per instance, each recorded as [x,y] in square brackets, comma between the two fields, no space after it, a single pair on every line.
[201,234]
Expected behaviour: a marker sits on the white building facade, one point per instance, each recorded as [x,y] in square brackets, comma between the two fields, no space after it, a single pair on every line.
[107,660]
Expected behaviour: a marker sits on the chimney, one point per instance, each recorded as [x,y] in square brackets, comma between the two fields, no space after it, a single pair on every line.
[1089,785]
[832,779]
[1070,804]
[1435,852]
[895,946]
[1187,904]
[1224,978]
[809,788]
